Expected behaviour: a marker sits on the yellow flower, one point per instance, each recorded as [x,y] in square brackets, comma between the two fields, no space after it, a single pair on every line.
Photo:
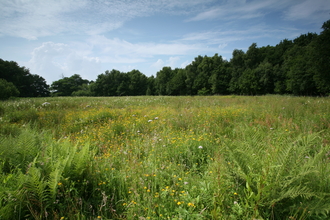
[99,217]
[179,203]
[191,204]
[235,193]
[59,184]
[62,218]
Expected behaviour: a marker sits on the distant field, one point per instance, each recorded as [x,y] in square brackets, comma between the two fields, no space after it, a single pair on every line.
[154,157]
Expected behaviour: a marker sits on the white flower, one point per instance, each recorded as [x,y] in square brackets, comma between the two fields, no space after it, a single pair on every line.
[156,118]
[200,147]
[150,120]
[45,103]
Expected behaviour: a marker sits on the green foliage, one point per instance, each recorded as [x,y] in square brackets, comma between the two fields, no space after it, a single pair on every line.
[193,157]
[68,85]
[272,180]
[49,179]
[7,89]
[28,85]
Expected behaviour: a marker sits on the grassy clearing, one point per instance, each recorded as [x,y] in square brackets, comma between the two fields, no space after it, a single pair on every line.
[215,157]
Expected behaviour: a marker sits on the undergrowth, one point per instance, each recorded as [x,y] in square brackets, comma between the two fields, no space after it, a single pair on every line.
[165,158]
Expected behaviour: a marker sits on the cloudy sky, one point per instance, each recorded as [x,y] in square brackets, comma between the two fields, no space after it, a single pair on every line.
[56,38]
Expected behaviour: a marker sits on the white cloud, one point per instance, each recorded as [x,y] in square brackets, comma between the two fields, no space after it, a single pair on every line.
[52,60]
[310,10]
[158,64]
[172,61]
[119,47]
[34,19]
[241,9]
[222,46]
[185,63]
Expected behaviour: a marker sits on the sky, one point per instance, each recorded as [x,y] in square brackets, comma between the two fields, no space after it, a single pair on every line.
[59,38]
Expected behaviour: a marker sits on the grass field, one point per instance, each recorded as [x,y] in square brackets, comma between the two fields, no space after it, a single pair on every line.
[215,157]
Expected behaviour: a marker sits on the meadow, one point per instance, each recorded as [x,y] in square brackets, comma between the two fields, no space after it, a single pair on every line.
[155,157]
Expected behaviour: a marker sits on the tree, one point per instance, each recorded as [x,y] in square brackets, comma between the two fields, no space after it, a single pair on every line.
[238,67]
[151,89]
[162,81]
[177,85]
[249,82]
[204,72]
[266,74]
[28,85]
[7,90]
[137,83]
[220,77]
[299,67]
[252,57]
[84,90]
[322,60]
[191,73]
[68,85]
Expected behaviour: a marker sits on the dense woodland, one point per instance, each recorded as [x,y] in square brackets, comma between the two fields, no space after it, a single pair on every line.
[299,67]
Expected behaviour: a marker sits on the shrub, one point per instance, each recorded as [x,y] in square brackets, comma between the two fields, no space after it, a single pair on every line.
[8,89]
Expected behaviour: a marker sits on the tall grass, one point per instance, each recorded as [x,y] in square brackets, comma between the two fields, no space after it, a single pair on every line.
[230,157]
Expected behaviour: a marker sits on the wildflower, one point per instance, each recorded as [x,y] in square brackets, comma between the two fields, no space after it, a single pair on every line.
[200,147]
[235,193]
[150,120]
[99,217]
[62,218]
[179,203]
[191,204]
[59,184]
[156,118]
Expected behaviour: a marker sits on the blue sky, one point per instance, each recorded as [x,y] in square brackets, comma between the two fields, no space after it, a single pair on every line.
[56,38]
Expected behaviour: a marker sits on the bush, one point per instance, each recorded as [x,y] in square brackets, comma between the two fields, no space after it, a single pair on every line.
[8,89]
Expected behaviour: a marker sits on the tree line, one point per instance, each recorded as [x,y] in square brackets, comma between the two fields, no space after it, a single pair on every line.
[299,67]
